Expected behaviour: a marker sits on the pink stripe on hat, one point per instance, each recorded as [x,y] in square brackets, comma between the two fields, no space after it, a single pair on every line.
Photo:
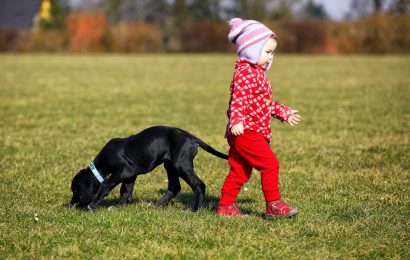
[252,35]
[254,41]
[238,27]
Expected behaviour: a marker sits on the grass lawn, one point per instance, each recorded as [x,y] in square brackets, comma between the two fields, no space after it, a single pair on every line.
[345,167]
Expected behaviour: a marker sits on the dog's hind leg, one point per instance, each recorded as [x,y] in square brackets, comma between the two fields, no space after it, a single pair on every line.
[126,190]
[187,173]
[174,187]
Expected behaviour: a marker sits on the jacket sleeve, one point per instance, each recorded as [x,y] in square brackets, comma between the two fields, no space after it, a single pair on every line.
[239,98]
[280,111]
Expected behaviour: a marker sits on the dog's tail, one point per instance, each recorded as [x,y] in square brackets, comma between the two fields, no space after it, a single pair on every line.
[210,150]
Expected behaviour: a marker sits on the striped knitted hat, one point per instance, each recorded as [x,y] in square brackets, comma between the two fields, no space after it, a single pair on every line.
[249,36]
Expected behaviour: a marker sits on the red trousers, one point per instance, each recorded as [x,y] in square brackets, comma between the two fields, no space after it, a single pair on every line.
[247,151]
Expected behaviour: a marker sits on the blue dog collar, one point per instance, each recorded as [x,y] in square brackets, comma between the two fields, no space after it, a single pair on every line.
[95,172]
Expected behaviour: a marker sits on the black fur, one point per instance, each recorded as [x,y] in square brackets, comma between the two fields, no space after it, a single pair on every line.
[123,159]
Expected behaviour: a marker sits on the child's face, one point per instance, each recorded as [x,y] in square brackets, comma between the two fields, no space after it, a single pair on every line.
[267,53]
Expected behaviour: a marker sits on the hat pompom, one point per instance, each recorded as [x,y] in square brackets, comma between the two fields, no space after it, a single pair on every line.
[235,22]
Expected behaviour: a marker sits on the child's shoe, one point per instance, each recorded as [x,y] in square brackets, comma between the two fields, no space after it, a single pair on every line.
[228,211]
[279,208]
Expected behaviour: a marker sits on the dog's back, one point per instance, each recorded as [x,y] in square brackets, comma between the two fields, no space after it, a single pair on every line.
[142,151]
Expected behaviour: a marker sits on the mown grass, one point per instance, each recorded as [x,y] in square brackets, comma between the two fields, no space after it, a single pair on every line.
[346,166]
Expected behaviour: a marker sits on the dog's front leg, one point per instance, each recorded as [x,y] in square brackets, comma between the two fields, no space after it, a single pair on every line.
[126,190]
[103,191]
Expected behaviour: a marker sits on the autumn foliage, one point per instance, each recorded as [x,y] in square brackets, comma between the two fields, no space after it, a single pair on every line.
[133,37]
[205,36]
[378,33]
[373,34]
[85,31]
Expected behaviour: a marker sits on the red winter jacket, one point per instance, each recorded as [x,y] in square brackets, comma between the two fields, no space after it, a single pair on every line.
[250,102]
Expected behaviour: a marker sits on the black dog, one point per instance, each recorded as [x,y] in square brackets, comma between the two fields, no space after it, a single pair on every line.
[123,159]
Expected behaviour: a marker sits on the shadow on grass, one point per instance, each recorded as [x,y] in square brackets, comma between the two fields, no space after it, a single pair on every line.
[211,203]
[187,198]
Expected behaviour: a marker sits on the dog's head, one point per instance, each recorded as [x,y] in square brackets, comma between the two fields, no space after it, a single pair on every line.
[83,186]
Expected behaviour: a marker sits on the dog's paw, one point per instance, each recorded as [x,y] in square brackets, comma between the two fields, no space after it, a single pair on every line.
[124,202]
[91,208]
[164,201]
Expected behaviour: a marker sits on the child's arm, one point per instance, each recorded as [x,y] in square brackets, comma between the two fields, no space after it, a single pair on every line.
[239,104]
[284,113]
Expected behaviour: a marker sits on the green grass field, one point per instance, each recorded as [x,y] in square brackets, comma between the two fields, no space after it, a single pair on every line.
[345,167]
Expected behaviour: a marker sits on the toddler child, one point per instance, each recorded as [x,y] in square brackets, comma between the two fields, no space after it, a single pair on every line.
[250,109]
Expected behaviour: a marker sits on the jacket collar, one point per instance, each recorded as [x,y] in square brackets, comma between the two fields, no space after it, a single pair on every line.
[244,62]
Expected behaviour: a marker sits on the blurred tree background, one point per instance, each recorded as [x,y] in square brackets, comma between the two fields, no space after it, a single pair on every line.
[303,26]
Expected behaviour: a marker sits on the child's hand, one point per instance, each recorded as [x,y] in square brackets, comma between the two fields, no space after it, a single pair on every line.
[294,118]
[237,129]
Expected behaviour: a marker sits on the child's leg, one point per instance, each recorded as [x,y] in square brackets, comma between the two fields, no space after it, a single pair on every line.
[255,150]
[239,174]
